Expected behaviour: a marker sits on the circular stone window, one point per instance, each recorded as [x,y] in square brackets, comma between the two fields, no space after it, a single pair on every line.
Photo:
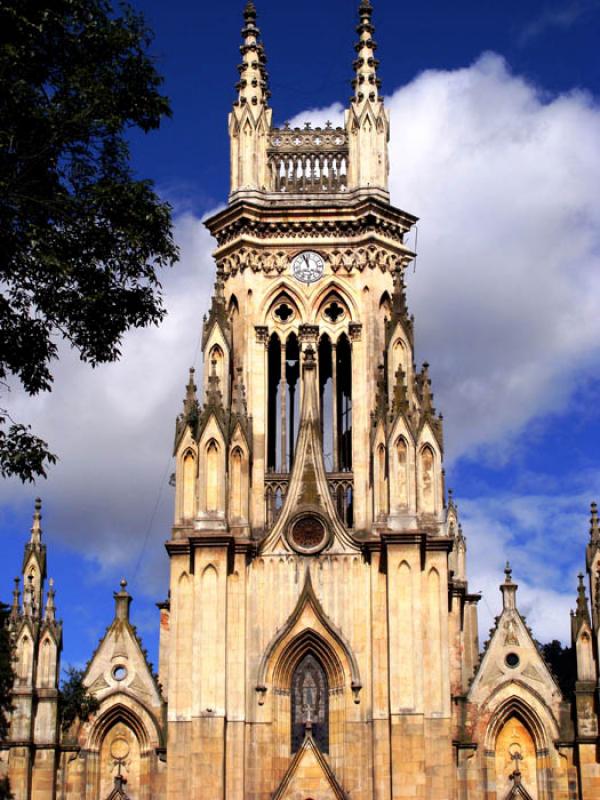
[512,660]
[308,534]
[119,673]
[119,749]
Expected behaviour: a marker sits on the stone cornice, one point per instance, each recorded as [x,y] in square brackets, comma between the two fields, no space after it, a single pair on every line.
[278,217]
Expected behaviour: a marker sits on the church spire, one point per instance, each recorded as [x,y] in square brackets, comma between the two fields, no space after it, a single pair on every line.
[367,122]
[366,83]
[253,85]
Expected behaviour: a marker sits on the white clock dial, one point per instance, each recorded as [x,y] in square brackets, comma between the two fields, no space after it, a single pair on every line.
[308,266]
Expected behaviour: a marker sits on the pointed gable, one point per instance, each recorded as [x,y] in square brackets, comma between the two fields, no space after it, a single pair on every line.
[511,655]
[119,663]
[309,775]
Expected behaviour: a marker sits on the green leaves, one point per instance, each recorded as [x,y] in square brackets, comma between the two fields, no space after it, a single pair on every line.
[75,703]
[81,239]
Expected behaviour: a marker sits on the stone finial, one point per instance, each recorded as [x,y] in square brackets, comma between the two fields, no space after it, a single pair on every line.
[50,610]
[509,589]
[581,614]
[365,83]
[238,395]
[36,528]
[122,602]
[190,401]
[426,393]
[15,608]
[400,399]
[594,525]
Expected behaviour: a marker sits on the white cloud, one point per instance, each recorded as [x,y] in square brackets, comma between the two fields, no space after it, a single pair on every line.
[505,292]
[560,17]
[505,181]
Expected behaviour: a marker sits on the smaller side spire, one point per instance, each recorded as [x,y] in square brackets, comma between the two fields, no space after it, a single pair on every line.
[253,85]
[366,84]
[15,609]
[426,395]
[36,528]
[50,610]
[191,401]
[581,615]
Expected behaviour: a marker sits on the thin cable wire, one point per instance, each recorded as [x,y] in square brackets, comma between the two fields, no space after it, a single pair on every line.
[152,518]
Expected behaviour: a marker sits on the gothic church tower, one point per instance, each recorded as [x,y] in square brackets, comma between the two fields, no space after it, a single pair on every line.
[320,639]
[320,620]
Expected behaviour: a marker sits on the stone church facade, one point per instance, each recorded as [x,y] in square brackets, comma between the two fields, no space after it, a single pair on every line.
[320,638]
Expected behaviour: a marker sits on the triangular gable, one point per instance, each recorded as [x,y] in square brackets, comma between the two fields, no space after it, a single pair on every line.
[512,655]
[310,775]
[119,664]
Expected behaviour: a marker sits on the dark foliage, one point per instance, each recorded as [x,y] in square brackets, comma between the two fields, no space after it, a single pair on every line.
[5,793]
[7,675]
[6,683]
[81,239]
[74,701]
[561,661]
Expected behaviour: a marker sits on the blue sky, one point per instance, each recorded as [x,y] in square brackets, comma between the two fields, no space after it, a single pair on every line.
[495,130]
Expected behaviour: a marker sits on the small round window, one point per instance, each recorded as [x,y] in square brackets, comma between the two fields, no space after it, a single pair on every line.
[512,660]
[119,673]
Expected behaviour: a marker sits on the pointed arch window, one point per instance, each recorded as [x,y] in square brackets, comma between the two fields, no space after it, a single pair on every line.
[402,471]
[283,402]
[212,476]
[189,485]
[310,703]
[427,480]
[335,390]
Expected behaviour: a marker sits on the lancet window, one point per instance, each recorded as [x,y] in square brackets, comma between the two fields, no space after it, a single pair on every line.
[335,390]
[310,703]
[283,402]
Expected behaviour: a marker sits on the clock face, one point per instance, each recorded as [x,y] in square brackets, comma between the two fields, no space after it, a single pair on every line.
[308,266]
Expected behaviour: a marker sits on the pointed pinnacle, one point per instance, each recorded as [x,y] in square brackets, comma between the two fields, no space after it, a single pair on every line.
[190,400]
[14,611]
[36,528]
[365,83]
[594,525]
[50,610]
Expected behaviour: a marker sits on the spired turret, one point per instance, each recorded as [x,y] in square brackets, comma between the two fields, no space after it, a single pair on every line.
[367,121]
[37,641]
[250,118]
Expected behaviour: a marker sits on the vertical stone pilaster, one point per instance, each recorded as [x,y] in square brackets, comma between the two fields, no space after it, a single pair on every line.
[380,681]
